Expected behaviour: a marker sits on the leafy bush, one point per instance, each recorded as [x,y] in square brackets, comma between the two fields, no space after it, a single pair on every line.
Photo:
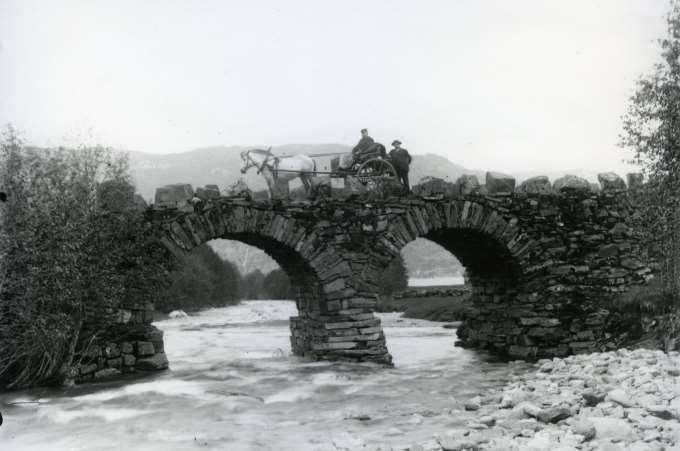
[395,277]
[68,254]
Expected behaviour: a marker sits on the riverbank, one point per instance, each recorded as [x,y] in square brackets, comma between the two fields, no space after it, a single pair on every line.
[622,400]
[445,307]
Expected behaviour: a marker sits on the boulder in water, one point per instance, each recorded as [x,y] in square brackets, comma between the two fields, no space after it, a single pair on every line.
[178,314]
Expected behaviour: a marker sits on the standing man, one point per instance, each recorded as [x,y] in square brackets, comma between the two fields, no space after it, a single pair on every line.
[401,160]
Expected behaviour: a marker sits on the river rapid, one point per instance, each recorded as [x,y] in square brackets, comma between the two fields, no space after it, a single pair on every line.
[234,385]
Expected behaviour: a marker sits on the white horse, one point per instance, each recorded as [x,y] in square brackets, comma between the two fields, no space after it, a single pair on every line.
[275,168]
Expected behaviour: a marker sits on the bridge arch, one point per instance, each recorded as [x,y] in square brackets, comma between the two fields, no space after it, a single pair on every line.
[335,322]
[489,243]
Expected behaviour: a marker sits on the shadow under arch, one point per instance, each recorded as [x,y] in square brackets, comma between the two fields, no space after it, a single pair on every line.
[494,252]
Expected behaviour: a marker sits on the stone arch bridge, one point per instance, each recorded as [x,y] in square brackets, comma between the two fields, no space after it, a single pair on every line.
[547,265]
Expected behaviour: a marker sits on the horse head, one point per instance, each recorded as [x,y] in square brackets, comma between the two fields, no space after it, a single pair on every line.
[257,158]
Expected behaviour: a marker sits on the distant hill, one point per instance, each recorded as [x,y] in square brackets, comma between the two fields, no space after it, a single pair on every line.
[221,166]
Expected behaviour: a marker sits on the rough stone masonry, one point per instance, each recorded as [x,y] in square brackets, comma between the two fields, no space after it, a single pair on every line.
[547,262]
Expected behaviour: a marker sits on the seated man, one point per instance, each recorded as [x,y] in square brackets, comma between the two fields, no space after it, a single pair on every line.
[364,146]
[365,143]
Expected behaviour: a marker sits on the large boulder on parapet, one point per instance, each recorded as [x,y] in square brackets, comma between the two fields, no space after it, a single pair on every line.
[634,180]
[433,186]
[609,181]
[535,185]
[468,183]
[178,195]
[571,182]
[208,192]
[499,183]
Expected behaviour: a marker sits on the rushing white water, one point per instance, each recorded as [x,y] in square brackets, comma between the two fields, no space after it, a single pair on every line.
[435,281]
[234,385]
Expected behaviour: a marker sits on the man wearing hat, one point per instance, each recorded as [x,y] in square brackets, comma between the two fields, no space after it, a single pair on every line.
[401,160]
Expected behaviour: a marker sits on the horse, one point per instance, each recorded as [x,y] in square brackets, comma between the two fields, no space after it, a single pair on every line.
[275,168]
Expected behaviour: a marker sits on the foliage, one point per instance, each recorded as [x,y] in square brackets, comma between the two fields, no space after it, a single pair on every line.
[651,129]
[67,254]
[395,277]
[200,279]
[252,285]
[276,285]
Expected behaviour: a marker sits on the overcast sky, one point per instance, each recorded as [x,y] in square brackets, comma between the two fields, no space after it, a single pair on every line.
[490,84]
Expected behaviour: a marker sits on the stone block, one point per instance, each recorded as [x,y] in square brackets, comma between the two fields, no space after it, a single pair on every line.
[468,183]
[111,350]
[571,182]
[107,373]
[129,360]
[610,181]
[115,363]
[126,347]
[159,361]
[499,183]
[535,185]
[208,193]
[144,348]
[175,196]
[87,369]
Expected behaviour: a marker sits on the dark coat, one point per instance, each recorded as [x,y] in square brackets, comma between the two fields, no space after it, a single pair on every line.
[363,145]
[400,159]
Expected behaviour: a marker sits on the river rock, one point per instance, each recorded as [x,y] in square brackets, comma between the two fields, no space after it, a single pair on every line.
[144,348]
[585,428]
[610,181]
[432,186]
[620,397]
[592,397]
[553,414]
[158,362]
[535,185]
[499,183]
[662,412]
[613,428]
[473,404]
[571,181]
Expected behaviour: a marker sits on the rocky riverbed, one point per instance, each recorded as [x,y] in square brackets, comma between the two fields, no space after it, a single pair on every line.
[622,400]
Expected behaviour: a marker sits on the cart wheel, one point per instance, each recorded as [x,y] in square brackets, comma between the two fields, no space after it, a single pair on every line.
[374,169]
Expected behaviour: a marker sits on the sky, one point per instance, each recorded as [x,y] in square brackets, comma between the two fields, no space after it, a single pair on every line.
[523,85]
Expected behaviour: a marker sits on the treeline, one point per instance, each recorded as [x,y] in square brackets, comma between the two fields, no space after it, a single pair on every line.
[651,129]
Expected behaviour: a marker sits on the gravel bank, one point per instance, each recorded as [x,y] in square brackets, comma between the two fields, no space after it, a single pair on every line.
[622,400]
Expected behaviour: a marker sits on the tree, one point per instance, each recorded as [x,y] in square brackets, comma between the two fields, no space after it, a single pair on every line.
[651,129]
[395,277]
[276,285]
[73,247]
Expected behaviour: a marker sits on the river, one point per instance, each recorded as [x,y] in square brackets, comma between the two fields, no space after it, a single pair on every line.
[234,385]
